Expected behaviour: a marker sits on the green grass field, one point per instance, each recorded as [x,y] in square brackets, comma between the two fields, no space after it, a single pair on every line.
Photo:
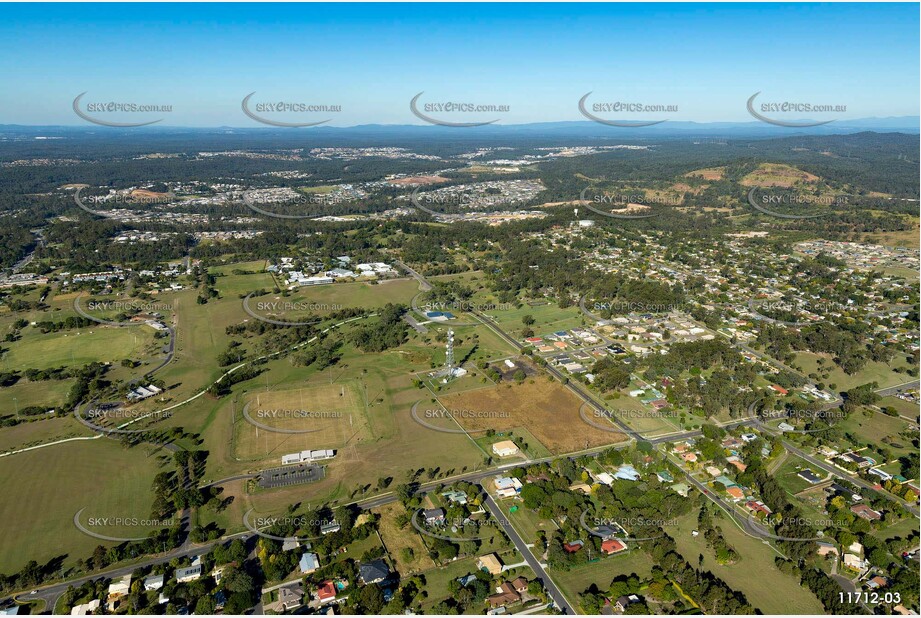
[880,373]
[547,318]
[904,408]
[77,347]
[41,431]
[602,573]
[49,393]
[333,414]
[526,521]
[359,293]
[881,430]
[754,574]
[43,490]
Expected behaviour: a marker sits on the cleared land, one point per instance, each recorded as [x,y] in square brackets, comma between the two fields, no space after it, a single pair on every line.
[777,175]
[398,540]
[541,405]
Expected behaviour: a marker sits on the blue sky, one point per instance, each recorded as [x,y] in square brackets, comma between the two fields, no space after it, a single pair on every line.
[538,59]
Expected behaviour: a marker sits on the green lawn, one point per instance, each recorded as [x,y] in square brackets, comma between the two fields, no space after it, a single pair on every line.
[79,346]
[575,581]
[880,373]
[879,429]
[50,393]
[41,431]
[905,408]
[43,490]
[547,318]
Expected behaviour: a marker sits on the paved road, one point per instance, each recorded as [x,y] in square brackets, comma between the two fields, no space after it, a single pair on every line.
[529,557]
[423,282]
[827,467]
[894,390]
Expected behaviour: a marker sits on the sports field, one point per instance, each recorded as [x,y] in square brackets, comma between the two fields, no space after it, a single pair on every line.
[43,489]
[324,416]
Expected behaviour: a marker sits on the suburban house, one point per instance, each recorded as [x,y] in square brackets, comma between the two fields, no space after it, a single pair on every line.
[735,492]
[623,602]
[188,574]
[326,592]
[120,587]
[86,609]
[520,584]
[489,563]
[862,510]
[826,548]
[373,572]
[153,582]
[809,476]
[506,448]
[877,582]
[852,561]
[507,486]
[434,517]
[505,595]
[309,563]
[854,458]
[289,597]
[612,546]
[573,547]
[757,506]
[329,528]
